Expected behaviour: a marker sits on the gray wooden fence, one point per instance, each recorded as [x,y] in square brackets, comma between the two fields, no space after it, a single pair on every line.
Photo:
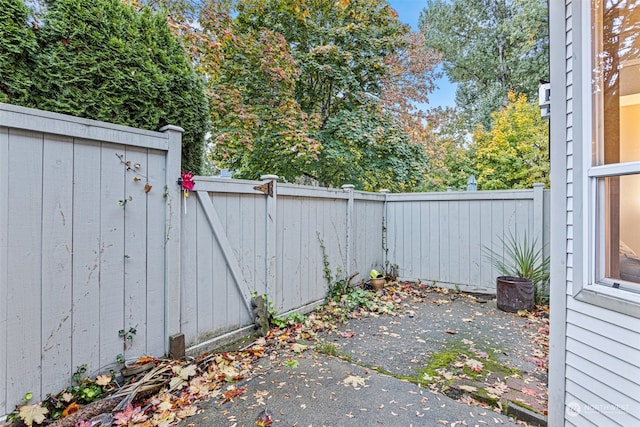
[439,237]
[87,249]
[82,246]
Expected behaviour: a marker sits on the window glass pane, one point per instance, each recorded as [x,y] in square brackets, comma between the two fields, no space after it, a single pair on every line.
[618,243]
[616,81]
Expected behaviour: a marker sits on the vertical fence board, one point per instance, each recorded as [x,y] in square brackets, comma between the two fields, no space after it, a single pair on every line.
[434,240]
[218,278]
[206,245]
[453,238]
[487,241]
[475,244]
[155,257]
[57,214]
[248,216]
[234,230]
[135,255]
[4,266]
[193,221]
[24,300]
[423,237]
[112,265]
[303,254]
[406,238]
[86,254]
[464,243]
[415,247]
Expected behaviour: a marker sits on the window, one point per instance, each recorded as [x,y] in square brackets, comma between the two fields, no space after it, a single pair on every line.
[615,171]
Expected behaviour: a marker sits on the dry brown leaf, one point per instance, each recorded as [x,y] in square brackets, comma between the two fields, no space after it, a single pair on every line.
[33,413]
[354,380]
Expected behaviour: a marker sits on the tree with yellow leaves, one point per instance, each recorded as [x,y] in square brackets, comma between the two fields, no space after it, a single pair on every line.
[514,153]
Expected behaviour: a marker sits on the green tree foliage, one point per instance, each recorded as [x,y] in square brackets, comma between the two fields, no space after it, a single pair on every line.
[340,46]
[285,75]
[368,148]
[103,60]
[17,44]
[489,47]
[514,153]
[450,152]
[258,127]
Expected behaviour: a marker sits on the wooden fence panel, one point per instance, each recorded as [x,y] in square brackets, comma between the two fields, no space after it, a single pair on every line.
[367,239]
[439,236]
[223,259]
[57,269]
[24,274]
[77,266]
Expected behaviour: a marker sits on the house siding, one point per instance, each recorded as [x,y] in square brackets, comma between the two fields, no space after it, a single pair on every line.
[599,355]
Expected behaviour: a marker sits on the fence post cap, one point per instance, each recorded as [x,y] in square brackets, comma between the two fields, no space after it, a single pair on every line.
[269,177]
[348,187]
[171,128]
[384,191]
[538,185]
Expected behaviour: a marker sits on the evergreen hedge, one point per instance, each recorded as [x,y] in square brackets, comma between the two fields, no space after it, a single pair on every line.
[102,59]
[17,44]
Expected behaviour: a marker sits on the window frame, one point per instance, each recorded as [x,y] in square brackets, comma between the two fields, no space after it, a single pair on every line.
[585,286]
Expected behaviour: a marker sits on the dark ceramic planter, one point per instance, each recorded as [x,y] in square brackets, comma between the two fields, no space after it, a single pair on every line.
[514,293]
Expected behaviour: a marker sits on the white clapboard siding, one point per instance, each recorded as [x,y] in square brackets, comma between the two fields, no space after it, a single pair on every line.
[76,267]
[603,363]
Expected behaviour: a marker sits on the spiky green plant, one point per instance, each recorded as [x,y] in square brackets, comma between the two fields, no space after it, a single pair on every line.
[522,258]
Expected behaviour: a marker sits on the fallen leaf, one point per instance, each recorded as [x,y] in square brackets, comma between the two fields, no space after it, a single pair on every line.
[33,413]
[482,354]
[354,380]
[103,380]
[298,348]
[529,391]
[233,392]
[264,419]
[449,331]
[475,365]
[72,408]
[348,334]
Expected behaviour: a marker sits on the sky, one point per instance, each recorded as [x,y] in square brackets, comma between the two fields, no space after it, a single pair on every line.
[408,13]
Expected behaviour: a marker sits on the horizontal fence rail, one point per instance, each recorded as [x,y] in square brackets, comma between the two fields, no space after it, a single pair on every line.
[97,240]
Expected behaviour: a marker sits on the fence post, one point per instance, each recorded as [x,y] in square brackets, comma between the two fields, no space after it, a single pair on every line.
[270,231]
[538,215]
[385,248]
[172,237]
[349,188]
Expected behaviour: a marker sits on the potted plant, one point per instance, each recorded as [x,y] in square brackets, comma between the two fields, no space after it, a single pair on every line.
[523,269]
[377,280]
